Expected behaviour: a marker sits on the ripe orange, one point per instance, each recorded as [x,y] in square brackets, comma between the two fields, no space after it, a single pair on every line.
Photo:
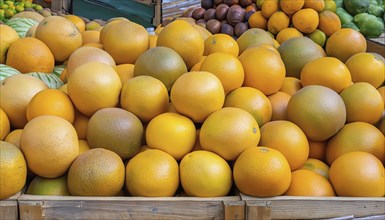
[278,21]
[255,175]
[50,144]
[290,85]
[256,20]
[8,36]
[251,100]
[220,43]
[36,56]
[326,71]
[107,26]
[254,37]
[83,146]
[317,5]
[309,183]
[171,132]
[182,37]
[93,86]
[306,20]
[269,7]
[61,41]
[318,111]
[14,137]
[358,174]
[51,102]
[264,69]
[344,43]
[205,174]
[356,136]
[145,96]
[87,54]
[317,150]
[317,166]
[363,103]
[287,33]
[90,37]
[96,172]
[48,186]
[329,22]
[279,101]
[366,67]
[162,63]
[16,91]
[290,6]
[287,138]
[227,68]
[296,52]
[125,72]
[197,94]
[13,170]
[80,124]
[152,173]
[381,90]
[228,132]
[117,130]
[125,41]
[78,22]
[5,126]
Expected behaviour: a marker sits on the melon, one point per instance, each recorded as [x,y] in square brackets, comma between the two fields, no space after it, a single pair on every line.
[52,80]
[21,25]
[6,71]
[58,70]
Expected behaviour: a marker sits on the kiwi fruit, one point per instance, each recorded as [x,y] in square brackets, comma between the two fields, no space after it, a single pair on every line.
[206,4]
[235,14]
[227,29]
[209,14]
[221,11]
[239,28]
[214,26]
[231,2]
[198,13]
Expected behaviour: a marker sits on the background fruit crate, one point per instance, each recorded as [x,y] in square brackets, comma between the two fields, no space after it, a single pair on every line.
[76,207]
[376,45]
[9,207]
[301,207]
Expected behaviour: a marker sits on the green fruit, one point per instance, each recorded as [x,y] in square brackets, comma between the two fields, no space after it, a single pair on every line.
[38,7]
[9,13]
[318,37]
[19,8]
[356,6]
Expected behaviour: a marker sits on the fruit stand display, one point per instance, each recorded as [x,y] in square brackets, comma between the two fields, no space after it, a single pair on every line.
[225,109]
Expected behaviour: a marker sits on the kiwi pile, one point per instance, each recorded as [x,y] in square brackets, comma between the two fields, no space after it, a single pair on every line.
[223,16]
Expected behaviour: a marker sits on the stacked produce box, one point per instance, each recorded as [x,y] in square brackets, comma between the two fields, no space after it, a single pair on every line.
[233,110]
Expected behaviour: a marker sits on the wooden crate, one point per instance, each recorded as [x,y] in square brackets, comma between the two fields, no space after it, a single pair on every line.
[9,207]
[300,207]
[74,207]
[376,45]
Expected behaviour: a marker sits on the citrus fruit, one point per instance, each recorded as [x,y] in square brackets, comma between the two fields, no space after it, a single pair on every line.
[290,6]
[16,91]
[51,102]
[14,137]
[305,20]
[162,63]
[48,186]
[197,94]
[254,174]
[329,22]
[117,130]
[317,166]
[287,33]
[80,124]
[264,69]
[344,43]
[296,52]
[152,173]
[356,136]
[93,86]
[83,146]
[171,132]
[290,85]
[317,150]
[205,174]
[78,22]
[287,138]
[317,5]
[363,103]
[13,170]
[318,37]
[228,132]
[182,37]
[107,26]
[96,172]
[145,96]
[269,7]
[226,67]
[326,71]
[255,37]
[221,43]
[90,36]
[125,41]
[256,20]
[366,67]
[308,183]
[251,100]
[125,72]
[87,54]
[279,101]
[8,36]
[61,41]
[36,56]
[358,174]
[278,21]
[5,126]
[49,144]
[318,111]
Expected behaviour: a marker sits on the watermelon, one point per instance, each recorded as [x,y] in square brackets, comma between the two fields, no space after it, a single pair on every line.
[58,70]
[52,80]
[21,25]
[6,71]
